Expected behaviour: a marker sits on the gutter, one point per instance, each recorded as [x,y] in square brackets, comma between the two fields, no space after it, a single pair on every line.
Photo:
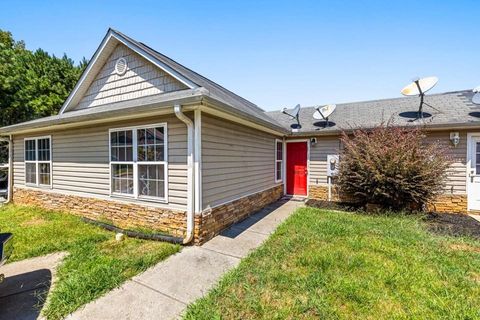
[428,128]
[190,173]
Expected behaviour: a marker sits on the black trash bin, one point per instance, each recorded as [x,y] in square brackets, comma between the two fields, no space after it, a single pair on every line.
[6,249]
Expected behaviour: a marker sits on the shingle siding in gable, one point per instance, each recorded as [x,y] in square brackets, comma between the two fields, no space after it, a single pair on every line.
[141,79]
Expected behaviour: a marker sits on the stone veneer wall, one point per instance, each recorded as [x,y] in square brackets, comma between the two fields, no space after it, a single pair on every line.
[447,203]
[121,214]
[126,215]
[450,203]
[321,193]
[214,220]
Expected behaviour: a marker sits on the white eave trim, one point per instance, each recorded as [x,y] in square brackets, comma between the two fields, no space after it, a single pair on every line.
[113,35]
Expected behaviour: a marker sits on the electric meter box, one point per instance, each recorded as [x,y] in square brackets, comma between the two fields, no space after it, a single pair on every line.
[332,165]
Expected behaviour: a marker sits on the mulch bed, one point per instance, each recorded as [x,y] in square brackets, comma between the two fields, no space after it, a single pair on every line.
[453,224]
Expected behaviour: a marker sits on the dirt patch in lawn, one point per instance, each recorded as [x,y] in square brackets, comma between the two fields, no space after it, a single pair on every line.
[464,247]
[35,221]
[453,224]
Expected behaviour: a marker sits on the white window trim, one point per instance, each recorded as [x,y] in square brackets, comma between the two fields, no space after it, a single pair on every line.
[37,162]
[277,161]
[135,163]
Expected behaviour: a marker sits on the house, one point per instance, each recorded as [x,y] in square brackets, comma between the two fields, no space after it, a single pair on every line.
[144,141]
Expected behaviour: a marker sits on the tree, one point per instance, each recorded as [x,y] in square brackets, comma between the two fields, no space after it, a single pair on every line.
[32,84]
[392,167]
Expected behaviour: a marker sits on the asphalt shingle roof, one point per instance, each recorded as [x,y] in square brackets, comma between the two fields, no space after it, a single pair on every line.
[453,108]
[216,91]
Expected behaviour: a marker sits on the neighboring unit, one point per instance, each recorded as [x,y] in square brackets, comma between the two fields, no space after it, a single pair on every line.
[144,141]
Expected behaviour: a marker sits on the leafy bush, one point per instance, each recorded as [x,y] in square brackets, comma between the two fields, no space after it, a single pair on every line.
[392,167]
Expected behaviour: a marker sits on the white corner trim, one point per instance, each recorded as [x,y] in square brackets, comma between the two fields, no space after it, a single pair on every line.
[198,160]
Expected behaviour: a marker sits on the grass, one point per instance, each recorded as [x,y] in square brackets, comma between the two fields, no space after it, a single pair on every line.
[95,264]
[324,264]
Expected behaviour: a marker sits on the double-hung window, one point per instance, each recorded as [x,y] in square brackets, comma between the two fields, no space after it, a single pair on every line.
[278,161]
[138,162]
[38,161]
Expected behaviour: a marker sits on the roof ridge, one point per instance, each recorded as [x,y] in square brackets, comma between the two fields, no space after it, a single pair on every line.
[382,100]
[218,86]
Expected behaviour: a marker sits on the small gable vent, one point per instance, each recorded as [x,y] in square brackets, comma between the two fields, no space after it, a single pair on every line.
[121,66]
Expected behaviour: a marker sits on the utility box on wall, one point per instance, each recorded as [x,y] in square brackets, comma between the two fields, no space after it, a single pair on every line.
[332,165]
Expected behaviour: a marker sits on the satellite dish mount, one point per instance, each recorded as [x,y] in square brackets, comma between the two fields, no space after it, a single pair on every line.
[422,98]
[420,87]
[324,112]
[476,95]
[294,114]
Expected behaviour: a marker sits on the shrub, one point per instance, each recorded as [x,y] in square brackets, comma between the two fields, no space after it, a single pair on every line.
[392,167]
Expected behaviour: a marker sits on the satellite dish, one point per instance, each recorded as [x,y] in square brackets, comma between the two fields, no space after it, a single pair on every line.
[294,115]
[476,96]
[322,113]
[419,87]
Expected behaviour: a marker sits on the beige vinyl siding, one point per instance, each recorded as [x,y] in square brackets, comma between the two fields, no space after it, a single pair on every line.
[318,158]
[236,161]
[457,173]
[80,160]
[141,79]
[456,176]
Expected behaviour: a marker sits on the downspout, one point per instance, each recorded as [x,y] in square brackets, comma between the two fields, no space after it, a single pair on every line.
[190,172]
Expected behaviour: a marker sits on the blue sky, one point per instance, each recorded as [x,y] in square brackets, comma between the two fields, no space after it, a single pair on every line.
[276,53]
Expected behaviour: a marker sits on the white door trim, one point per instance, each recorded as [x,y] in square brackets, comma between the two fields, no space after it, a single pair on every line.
[468,167]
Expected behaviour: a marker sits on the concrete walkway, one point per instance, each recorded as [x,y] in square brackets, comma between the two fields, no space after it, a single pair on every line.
[164,291]
[26,286]
[475,216]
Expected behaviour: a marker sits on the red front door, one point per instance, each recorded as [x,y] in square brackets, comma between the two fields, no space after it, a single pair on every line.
[297,168]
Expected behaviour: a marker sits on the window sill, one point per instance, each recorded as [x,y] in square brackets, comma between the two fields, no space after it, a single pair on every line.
[39,186]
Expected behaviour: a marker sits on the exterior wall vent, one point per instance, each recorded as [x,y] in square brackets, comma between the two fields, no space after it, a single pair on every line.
[121,66]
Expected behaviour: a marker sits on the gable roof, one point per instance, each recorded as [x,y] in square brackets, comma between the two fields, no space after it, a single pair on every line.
[454,109]
[198,89]
[214,90]
[183,74]
[106,47]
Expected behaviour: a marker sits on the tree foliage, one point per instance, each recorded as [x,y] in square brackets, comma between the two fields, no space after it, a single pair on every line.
[392,166]
[33,84]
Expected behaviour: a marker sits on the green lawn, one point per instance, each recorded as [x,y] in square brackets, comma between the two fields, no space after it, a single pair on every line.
[96,262]
[334,265]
